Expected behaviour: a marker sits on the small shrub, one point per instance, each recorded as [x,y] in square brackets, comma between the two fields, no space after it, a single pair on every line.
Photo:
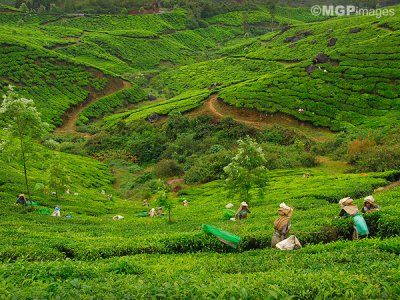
[168,168]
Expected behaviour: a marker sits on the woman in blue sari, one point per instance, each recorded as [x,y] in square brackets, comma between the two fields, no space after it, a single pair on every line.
[350,210]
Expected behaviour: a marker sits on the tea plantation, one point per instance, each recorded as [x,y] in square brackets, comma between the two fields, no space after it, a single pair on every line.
[161,102]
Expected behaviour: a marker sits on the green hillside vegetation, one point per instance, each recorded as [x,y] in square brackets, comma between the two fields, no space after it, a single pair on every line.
[225,72]
[252,275]
[55,84]
[344,91]
[182,103]
[92,233]
[110,103]
[358,85]
[94,236]
[162,102]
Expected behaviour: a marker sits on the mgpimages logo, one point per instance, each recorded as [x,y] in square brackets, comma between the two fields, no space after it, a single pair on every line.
[347,10]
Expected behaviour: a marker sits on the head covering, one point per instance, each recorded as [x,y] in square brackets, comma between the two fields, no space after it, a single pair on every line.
[345,201]
[370,199]
[185,201]
[348,205]
[284,206]
[244,204]
[285,212]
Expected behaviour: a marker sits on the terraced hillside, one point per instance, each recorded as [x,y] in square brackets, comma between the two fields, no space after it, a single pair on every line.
[132,47]
[155,107]
[342,72]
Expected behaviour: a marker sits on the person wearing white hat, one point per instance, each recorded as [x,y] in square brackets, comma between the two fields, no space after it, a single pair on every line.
[152,212]
[185,203]
[242,211]
[282,224]
[348,207]
[350,210]
[370,205]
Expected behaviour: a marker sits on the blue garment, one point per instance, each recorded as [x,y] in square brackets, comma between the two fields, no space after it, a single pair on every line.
[21,200]
[360,224]
[243,214]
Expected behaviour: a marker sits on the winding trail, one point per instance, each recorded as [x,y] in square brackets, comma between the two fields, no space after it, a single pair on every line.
[260,120]
[388,187]
[71,116]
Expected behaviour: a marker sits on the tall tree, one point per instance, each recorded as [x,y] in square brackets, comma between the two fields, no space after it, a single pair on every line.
[24,124]
[246,170]
[163,198]
[271,6]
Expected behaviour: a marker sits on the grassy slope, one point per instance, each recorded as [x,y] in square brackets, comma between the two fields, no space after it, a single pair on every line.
[92,235]
[335,271]
[56,53]
[359,87]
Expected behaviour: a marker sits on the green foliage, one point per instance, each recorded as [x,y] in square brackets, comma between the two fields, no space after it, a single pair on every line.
[207,168]
[23,124]
[81,257]
[58,178]
[184,102]
[54,84]
[164,199]
[348,90]
[168,168]
[377,159]
[247,169]
[146,144]
[156,23]
[110,103]
[224,72]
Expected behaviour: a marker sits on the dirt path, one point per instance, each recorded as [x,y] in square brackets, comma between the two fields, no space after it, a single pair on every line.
[388,187]
[260,120]
[72,115]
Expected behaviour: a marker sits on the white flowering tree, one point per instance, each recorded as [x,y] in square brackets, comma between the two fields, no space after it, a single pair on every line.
[23,124]
[247,170]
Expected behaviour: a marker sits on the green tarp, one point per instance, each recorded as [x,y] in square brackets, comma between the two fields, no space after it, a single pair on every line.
[43,211]
[224,236]
[143,214]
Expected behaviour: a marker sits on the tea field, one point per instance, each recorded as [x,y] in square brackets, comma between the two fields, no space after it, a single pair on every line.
[91,255]
[319,96]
